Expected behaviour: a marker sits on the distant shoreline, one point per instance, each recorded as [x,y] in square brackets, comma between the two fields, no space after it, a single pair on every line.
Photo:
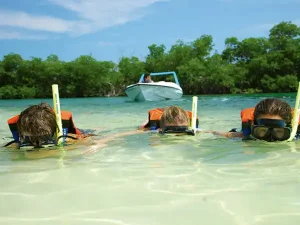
[279,95]
[248,66]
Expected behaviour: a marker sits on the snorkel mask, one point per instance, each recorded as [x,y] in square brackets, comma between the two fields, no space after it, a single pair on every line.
[42,141]
[37,141]
[177,130]
[271,130]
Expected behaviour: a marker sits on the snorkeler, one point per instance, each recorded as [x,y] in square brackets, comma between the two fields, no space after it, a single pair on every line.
[270,121]
[171,119]
[168,120]
[36,126]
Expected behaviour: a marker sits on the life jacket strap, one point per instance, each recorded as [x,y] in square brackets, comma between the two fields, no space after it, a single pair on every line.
[9,143]
[66,136]
[30,144]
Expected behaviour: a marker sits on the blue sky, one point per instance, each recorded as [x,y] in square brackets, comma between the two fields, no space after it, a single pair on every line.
[110,29]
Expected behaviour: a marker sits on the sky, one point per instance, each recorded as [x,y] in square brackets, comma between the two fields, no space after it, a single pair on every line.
[110,29]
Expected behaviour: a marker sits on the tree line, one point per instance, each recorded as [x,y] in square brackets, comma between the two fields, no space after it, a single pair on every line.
[251,65]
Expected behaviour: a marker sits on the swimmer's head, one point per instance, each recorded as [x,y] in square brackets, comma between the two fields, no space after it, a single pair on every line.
[273,108]
[174,116]
[272,120]
[37,123]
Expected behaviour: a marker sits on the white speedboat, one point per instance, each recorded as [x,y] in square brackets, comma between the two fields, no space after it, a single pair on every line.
[155,91]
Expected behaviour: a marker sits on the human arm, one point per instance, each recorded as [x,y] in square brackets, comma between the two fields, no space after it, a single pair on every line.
[142,127]
[229,134]
[114,136]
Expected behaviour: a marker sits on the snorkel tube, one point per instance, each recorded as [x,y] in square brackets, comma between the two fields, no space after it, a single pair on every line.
[295,119]
[56,104]
[194,113]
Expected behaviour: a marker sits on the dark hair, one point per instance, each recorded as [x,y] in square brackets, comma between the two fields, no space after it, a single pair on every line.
[146,75]
[274,107]
[36,122]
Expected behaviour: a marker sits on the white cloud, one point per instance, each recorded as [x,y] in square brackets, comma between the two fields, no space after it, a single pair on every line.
[9,35]
[93,15]
[105,13]
[41,23]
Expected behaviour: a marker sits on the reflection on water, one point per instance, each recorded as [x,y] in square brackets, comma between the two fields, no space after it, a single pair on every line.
[147,179]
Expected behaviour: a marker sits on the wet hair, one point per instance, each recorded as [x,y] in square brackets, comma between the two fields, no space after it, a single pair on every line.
[37,122]
[274,107]
[174,115]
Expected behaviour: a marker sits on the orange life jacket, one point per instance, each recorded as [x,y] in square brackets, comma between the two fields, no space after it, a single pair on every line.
[247,117]
[67,125]
[154,116]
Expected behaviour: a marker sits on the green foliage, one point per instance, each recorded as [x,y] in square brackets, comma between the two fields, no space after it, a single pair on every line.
[252,65]
[27,92]
[8,91]
[129,69]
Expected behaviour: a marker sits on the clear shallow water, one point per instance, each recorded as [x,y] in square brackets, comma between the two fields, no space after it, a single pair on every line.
[146,179]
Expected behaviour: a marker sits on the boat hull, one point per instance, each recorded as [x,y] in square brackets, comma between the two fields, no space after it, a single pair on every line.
[154,91]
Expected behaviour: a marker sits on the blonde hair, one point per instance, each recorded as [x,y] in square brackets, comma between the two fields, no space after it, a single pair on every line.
[174,115]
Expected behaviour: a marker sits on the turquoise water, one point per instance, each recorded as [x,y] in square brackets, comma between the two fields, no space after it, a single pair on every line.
[147,179]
